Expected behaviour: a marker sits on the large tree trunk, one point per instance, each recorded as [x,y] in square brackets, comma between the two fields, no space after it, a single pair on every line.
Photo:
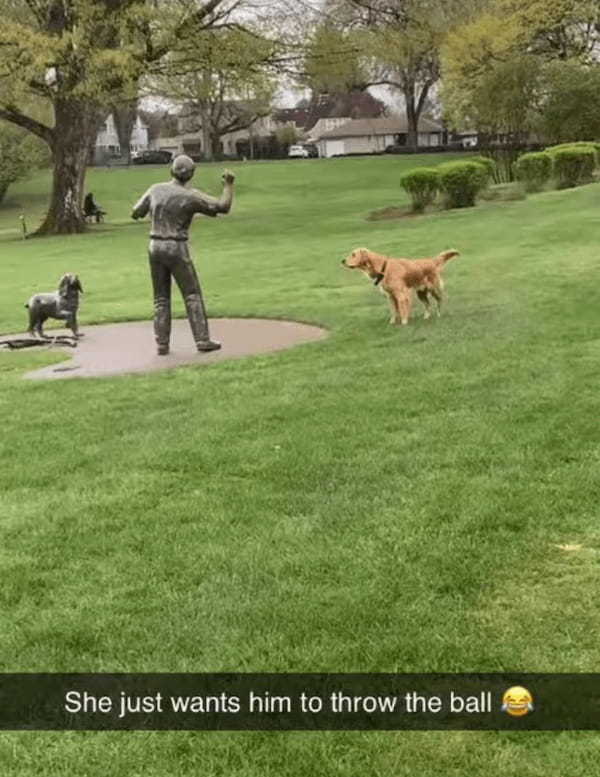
[124,115]
[414,109]
[215,144]
[75,122]
[412,122]
[207,144]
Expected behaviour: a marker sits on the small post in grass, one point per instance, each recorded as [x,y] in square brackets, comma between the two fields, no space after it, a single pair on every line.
[23,225]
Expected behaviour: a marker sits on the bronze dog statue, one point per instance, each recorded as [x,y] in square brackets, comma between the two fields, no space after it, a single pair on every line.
[61,304]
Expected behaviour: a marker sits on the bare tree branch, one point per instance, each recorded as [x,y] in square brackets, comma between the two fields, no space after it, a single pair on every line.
[11,114]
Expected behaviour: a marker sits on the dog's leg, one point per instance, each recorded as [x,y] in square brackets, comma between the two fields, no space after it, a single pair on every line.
[437,294]
[405,309]
[423,295]
[393,308]
[437,291]
[403,303]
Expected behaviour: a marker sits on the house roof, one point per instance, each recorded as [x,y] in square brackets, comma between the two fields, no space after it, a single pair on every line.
[353,105]
[392,125]
[297,115]
[348,105]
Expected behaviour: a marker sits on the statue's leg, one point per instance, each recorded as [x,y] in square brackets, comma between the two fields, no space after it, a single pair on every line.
[72,324]
[161,285]
[33,320]
[189,285]
[70,319]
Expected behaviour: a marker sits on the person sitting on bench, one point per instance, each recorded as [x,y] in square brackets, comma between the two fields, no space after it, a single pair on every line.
[91,209]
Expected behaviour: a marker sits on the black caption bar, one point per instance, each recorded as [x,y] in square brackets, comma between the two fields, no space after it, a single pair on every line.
[299,702]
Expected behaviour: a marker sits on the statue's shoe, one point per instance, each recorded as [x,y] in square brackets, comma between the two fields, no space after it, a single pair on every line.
[208,345]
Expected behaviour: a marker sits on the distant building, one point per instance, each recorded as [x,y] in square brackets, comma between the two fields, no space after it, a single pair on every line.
[371,136]
[463,138]
[326,112]
[189,139]
[107,140]
[323,113]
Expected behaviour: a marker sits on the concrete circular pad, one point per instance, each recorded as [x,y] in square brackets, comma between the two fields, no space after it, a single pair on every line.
[118,349]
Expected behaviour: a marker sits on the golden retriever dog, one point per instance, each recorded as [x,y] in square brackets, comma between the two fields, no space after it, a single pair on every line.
[398,278]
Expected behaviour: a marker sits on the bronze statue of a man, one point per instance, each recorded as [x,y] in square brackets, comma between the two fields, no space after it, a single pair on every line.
[172,207]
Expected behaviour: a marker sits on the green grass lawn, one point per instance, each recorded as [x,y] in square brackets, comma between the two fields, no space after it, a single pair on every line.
[388,499]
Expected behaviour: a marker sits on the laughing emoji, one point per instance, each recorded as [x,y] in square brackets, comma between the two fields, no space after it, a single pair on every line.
[517,701]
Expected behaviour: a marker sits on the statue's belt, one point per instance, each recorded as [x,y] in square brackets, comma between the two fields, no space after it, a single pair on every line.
[162,237]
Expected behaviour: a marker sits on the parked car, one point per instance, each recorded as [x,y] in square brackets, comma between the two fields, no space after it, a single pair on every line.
[298,152]
[151,157]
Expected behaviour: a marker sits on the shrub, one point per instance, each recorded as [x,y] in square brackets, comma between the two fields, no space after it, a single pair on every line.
[20,154]
[422,184]
[488,164]
[578,144]
[534,170]
[461,182]
[573,165]
[581,145]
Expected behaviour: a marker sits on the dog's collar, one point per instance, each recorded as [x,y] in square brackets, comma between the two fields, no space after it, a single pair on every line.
[379,275]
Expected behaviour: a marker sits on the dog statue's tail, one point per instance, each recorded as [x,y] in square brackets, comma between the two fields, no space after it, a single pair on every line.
[445,255]
[26,305]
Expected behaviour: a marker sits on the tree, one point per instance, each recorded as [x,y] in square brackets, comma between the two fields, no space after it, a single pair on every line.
[20,153]
[570,102]
[332,61]
[286,136]
[395,43]
[125,114]
[516,69]
[501,103]
[160,123]
[81,56]
[225,83]
[556,29]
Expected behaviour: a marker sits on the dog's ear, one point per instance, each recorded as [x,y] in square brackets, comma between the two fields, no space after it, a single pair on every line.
[64,282]
[77,284]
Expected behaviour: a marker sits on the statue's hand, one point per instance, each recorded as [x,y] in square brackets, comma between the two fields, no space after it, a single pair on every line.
[228,177]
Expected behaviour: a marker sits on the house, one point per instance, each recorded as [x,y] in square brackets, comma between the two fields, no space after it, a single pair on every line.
[328,112]
[189,137]
[310,119]
[463,138]
[107,141]
[325,112]
[372,136]
[191,142]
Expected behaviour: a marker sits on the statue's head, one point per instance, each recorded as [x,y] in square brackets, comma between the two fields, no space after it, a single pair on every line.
[182,168]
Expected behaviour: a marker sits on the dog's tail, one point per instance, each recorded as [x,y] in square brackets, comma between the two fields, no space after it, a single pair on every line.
[442,258]
[26,305]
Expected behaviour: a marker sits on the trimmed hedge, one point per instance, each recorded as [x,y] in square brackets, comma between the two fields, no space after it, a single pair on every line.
[461,182]
[534,170]
[584,144]
[422,184]
[573,164]
[487,163]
